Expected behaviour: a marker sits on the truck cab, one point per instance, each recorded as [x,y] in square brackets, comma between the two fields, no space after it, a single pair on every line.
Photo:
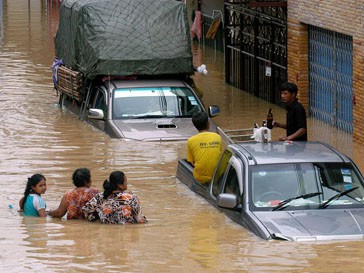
[146,110]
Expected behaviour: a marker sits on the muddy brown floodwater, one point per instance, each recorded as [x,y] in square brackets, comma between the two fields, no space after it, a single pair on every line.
[184,233]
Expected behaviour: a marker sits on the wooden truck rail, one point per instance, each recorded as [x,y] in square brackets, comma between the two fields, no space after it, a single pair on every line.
[71,83]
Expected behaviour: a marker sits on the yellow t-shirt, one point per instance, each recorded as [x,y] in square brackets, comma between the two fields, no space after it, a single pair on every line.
[203,152]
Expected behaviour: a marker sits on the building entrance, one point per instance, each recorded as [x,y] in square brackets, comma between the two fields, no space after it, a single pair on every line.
[256,46]
[331,77]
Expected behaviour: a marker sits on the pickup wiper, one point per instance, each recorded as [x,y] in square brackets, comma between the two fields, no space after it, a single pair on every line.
[335,197]
[303,196]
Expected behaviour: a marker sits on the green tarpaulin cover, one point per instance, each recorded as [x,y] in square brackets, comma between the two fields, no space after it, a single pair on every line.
[124,37]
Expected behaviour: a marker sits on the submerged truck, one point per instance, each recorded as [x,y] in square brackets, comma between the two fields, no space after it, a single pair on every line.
[292,191]
[126,67]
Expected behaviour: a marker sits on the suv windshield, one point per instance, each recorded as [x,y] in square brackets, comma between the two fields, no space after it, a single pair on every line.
[144,102]
[311,185]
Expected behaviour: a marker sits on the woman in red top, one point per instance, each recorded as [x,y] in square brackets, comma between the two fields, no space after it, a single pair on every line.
[73,200]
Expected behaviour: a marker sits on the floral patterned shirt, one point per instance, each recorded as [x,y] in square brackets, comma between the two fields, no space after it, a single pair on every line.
[76,199]
[118,208]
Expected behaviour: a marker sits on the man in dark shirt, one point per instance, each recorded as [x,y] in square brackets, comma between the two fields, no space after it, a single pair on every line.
[296,123]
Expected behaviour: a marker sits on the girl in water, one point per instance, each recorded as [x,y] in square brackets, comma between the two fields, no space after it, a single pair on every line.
[32,204]
[115,205]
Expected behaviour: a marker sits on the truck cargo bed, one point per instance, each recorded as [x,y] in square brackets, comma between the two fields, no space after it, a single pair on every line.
[235,135]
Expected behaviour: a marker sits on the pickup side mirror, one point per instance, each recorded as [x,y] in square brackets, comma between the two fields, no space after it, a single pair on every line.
[94,113]
[214,110]
[227,200]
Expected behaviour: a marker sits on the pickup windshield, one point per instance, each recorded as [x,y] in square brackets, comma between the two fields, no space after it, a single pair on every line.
[292,183]
[154,102]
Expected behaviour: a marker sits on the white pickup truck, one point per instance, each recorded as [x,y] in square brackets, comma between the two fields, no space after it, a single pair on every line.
[144,110]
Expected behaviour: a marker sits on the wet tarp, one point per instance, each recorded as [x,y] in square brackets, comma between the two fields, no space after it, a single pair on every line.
[124,37]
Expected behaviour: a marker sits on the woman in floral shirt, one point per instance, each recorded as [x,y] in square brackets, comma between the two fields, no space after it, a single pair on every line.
[114,205]
[73,200]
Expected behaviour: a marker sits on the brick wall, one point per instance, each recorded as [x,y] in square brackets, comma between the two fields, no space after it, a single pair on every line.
[345,16]
[297,61]
[358,82]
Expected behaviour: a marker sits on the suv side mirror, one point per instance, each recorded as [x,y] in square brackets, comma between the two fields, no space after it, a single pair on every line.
[214,110]
[94,113]
[227,200]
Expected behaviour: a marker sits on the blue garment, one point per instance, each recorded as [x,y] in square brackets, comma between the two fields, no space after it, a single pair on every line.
[33,203]
[56,64]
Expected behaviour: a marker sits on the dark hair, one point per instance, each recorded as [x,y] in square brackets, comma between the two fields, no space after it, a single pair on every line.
[81,177]
[116,178]
[200,120]
[32,182]
[290,87]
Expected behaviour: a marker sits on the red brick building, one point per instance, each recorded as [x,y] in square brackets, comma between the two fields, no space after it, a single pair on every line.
[336,20]
[323,54]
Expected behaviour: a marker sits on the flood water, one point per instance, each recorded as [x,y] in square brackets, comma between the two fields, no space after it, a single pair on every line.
[184,233]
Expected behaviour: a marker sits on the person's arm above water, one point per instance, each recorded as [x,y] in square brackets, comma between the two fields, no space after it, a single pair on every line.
[42,213]
[40,206]
[279,125]
[301,123]
[190,157]
[295,135]
[61,210]
[21,203]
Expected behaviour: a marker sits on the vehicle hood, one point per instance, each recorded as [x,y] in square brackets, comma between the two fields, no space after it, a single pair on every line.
[314,225]
[156,129]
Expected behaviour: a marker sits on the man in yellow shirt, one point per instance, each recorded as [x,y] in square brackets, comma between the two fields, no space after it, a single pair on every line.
[204,149]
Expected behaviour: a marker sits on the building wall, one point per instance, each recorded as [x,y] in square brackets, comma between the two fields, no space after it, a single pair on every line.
[345,16]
